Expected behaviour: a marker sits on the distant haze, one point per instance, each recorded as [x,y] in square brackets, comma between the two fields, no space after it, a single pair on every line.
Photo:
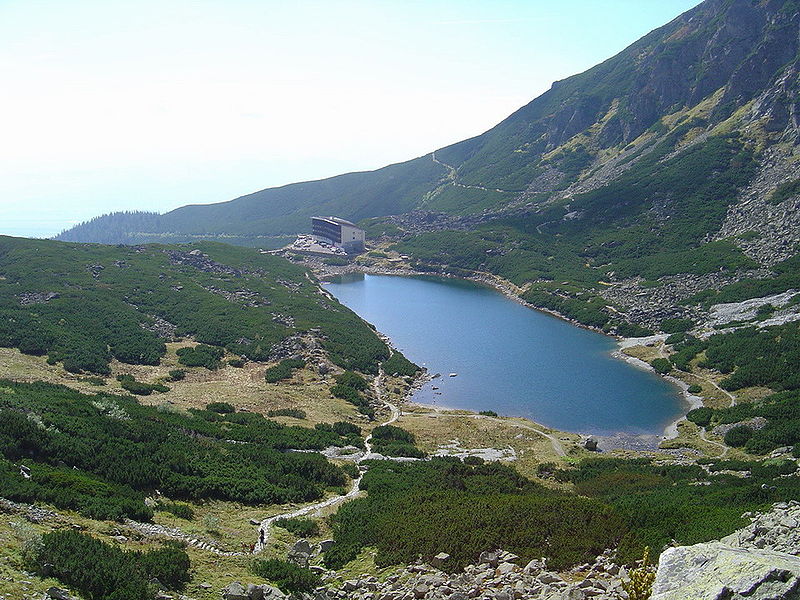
[119,105]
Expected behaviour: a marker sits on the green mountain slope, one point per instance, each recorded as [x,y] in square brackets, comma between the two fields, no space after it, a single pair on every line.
[662,173]
[720,55]
[86,304]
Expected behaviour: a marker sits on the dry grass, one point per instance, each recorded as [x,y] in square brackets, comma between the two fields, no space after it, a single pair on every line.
[244,388]
[435,427]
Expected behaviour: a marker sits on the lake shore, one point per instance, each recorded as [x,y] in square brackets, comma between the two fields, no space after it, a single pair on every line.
[509,291]
[512,292]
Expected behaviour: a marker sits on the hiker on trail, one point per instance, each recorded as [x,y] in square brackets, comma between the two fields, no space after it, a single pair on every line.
[261,535]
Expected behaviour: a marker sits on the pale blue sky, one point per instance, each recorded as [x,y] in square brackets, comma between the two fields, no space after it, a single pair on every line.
[153,104]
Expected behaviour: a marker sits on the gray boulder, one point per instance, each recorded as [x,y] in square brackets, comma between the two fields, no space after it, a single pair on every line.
[301,552]
[234,591]
[716,570]
[58,594]
[438,560]
[778,530]
[490,558]
[264,592]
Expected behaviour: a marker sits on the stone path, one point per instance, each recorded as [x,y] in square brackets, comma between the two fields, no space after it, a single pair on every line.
[355,489]
[153,529]
[452,174]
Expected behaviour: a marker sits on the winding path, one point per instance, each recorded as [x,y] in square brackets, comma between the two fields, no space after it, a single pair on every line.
[452,174]
[702,431]
[703,437]
[355,489]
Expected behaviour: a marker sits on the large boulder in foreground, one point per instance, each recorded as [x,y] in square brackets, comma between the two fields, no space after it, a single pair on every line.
[718,571]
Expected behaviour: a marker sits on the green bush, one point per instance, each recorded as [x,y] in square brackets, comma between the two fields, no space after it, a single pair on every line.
[117,451]
[700,416]
[488,413]
[104,572]
[287,576]
[661,365]
[676,325]
[351,470]
[397,364]
[694,389]
[632,330]
[109,295]
[283,370]
[782,413]
[660,503]
[675,338]
[139,388]
[427,507]
[201,355]
[180,510]
[222,408]
[738,436]
[287,412]
[237,363]
[299,527]
[346,429]
[177,374]
[352,395]
[395,441]
[353,380]
[751,356]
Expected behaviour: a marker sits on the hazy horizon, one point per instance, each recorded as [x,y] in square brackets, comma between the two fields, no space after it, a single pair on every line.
[155,105]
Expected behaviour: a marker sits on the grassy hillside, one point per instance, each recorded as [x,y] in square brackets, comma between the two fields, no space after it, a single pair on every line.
[102,454]
[87,304]
[675,159]
[707,63]
[261,218]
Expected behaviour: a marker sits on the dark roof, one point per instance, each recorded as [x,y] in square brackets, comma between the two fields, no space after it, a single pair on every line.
[337,220]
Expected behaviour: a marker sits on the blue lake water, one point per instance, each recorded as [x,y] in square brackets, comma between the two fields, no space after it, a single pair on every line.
[510,359]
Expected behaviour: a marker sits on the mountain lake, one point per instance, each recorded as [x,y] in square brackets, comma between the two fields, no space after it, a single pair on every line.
[508,358]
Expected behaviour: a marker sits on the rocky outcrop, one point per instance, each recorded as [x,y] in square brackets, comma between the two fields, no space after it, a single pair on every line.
[495,577]
[766,232]
[758,562]
[717,570]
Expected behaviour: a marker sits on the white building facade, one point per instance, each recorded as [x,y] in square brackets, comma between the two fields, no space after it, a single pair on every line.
[342,234]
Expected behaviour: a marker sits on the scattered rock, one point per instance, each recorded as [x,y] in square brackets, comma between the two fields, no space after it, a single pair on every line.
[777,530]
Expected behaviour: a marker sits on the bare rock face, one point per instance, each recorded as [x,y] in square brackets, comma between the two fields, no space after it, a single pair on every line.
[717,570]
[758,562]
